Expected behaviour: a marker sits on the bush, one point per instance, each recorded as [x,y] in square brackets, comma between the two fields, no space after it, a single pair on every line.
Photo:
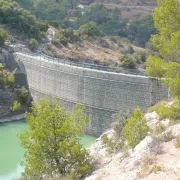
[33,44]
[1,67]
[16,105]
[63,40]
[178,141]
[3,81]
[157,106]
[90,29]
[3,36]
[128,61]
[172,112]
[10,79]
[119,121]
[136,128]
[23,94]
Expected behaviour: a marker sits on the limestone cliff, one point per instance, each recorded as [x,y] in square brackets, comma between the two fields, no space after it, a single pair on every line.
[151,159]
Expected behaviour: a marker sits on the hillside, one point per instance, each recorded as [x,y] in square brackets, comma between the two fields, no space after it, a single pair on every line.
[103,50]
[155,157]
[132,10]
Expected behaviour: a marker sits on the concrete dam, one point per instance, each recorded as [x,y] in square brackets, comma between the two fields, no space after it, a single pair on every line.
[102,93]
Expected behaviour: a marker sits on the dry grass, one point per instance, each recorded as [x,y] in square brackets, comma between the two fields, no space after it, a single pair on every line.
[148,159]
[178,141]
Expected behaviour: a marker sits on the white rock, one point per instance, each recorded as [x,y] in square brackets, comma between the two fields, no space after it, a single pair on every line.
[142,147]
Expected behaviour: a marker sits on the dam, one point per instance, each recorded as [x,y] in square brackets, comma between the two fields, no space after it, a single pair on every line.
[103,93]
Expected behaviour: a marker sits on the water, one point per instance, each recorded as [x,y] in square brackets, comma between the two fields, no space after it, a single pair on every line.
[10,151]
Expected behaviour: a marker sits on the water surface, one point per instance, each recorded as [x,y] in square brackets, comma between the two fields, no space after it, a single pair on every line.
[11,153]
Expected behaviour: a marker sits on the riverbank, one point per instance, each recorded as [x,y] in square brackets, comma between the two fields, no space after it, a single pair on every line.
[16,117]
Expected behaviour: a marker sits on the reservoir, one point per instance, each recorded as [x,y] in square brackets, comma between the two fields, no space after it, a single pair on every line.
[11,153]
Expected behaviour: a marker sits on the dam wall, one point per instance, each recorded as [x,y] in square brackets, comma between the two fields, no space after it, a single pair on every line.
[102,93]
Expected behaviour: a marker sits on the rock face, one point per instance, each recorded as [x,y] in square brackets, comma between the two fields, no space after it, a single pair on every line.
[142,162]
[9,94]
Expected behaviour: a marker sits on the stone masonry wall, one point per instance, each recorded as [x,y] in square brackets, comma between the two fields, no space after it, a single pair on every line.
[102,93]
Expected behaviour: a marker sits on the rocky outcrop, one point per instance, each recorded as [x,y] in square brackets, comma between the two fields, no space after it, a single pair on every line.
[147,161]
[8,94]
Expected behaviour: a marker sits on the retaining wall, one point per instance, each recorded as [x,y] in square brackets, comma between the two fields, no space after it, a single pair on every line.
[102,93]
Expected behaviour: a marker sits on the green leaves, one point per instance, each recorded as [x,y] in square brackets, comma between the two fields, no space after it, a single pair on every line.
[52,141]
[136,128]
[155,66]
[167,62]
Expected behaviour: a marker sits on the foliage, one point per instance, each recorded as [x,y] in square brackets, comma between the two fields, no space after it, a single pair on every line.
[90,29]
[33,44]
[3,81]
[119,121]
[16,105]
[178,141]
[1,67]
[52,143]
[112,144]
[18,18]
[22,94]
[167,62]
[128,61]
[3,36]
[64,36]
[136,128]
[157,106]
[155,66]
[10,78]
[172,112]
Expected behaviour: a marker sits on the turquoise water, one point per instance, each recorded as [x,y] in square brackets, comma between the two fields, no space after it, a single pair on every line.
[10,151]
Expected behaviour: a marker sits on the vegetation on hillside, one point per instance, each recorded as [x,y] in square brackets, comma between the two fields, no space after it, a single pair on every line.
[20,19]
[52,142]
[67,14]
[3,36]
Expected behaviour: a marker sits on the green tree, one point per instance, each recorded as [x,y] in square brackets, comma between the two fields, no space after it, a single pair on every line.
[90,29]
[3,36]
[136,128]
[51,141]
[16,105]
[166,19]
[33,44]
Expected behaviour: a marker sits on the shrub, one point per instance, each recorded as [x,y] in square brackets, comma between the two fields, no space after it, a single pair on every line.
[145,171]
[33,44]
[128,61]
[16,105]
[23,94]
[178,141]
[63,40]
[156,168]
[119,121]
[112,144]
[148,159]
[155,147]
[10,79]
[90,29]
[3,36]
[157,106]
[3,81]
[136,128]
[1,67]
[172,112]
